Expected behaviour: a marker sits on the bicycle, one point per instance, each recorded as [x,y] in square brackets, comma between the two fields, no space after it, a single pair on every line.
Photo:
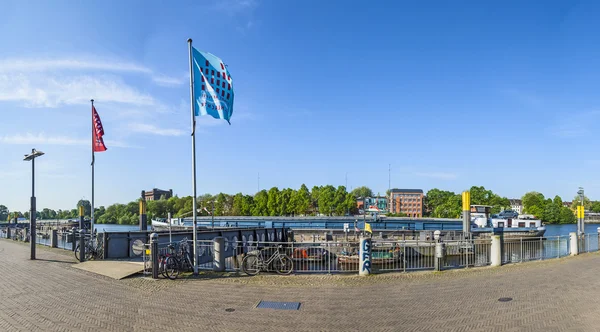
[162,260]
[253,263]
[93,250]
[181,261]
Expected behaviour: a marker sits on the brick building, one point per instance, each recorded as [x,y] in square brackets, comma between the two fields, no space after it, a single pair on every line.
[156,194]
[407,201]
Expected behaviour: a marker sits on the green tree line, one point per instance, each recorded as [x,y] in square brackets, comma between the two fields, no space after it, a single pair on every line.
[447,204]
[323,200]
[552,211]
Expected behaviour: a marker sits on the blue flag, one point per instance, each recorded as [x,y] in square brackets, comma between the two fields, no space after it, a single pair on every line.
[213,88]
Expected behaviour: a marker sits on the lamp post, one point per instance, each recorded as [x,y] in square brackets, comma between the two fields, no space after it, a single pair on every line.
[31,157]
[580,223]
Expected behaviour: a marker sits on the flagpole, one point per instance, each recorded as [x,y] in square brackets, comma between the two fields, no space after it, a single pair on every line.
[93,162]
[194,203]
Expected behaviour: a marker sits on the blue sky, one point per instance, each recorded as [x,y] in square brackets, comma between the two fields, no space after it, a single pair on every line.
[500,94]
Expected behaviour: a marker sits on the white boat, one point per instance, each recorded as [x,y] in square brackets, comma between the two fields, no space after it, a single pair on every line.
[164,223]
[483,225]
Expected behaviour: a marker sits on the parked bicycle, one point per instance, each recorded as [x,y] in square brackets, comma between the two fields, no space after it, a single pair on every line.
[175,262]
[253,263]
[93,250]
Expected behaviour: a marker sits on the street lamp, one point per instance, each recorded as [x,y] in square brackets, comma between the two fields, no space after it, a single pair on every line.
[580,224]
[32,237]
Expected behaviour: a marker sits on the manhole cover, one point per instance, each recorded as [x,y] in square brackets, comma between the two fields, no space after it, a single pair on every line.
[505,299]
[230,310]
[278,305]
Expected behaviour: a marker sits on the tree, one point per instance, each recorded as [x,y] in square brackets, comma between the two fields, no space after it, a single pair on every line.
[238,205]
[302,200]
[577,202]
[260,207]
[285,202]
[350,204]
[339,201]
[362,192]
[326,200]
[567,216]
[157,209]
[314,198]
[552,210]
[451,208]
[220,205]
[595,207]
[434,198]
[273,201]
[533,203]
[3,213]
[87,207]
[247,205]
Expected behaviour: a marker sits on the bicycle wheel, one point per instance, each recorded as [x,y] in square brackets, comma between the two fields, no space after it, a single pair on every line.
[77,252]
[89,253]
[171,268]
[250,265]
[161,265]
[283,264]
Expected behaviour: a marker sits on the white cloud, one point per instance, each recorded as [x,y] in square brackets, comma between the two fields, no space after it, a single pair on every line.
[169,81]
[437,175]
[36,65]
[29,66]
[48,91]
[44,139]
[41,138]
[152,129]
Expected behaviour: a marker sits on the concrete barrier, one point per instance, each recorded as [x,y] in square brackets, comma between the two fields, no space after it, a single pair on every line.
[574,243]
[496,251]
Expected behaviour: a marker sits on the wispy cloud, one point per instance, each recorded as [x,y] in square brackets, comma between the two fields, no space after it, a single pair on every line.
[29,66]
[41,138]
[437,175]
[49,91]
[44,139]
[169,81]
[152,129]
[37,65]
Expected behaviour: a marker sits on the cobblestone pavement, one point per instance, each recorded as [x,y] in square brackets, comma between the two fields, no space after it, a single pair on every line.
[50,295]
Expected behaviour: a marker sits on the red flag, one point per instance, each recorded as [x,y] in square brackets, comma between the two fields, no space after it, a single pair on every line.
[98,132]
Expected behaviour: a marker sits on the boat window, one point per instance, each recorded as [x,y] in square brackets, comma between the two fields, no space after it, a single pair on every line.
[521,224]
[501,224]
[531,224]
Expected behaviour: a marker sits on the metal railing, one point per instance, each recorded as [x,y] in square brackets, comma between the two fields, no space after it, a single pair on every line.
[588,242]
[538,248]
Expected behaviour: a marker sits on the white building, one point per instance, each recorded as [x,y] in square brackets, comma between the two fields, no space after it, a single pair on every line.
[516,205]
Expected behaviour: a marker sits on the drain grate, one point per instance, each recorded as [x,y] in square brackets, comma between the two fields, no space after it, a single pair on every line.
[278,305]
[230,310]
[505,299]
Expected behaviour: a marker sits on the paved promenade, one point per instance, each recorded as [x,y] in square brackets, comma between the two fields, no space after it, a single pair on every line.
[50,295]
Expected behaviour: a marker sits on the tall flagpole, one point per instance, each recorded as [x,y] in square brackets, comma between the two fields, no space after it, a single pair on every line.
[192,101]
[93,162]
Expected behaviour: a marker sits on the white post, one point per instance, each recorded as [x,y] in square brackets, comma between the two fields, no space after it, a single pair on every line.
[496,251]
[169,221]
[194,203]
[364,268]
[574,243]
[219,254]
